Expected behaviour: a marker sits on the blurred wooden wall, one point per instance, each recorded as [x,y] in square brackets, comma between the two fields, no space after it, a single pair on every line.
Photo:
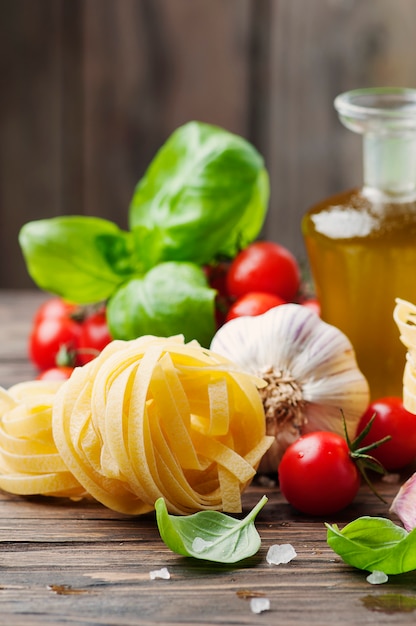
[91,88]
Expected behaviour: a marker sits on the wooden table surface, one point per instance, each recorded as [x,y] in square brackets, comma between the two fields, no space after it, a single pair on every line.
[80,563]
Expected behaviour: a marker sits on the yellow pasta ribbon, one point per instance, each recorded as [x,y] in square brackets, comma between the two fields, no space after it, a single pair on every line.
[148,418]
[29,460]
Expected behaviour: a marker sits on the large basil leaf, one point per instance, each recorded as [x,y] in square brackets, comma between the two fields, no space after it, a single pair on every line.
[172,298]
[210,535]
[82,259]
[374,543]
[205,194]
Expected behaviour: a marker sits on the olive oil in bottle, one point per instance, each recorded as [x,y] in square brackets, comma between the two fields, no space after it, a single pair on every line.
[361,244]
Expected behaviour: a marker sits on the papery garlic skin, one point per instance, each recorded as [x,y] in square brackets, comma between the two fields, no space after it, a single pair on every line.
[310,367]
[404,504]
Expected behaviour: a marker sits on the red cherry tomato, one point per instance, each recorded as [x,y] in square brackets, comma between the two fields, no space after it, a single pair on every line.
[54,308]
[317,475]
[217,279]
[254,303]
[264,266]
[49,336]
[93,338]
[64,334]
[391,418]
[55,373]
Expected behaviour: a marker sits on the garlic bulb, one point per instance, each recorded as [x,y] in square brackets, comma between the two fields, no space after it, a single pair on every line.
[310,369]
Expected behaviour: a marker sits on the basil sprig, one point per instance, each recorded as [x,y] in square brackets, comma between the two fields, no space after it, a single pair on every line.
[204,196]
[210,535]
[374,544]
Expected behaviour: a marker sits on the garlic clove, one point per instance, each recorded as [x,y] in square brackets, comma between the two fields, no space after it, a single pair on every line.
[310,369]
[404,504]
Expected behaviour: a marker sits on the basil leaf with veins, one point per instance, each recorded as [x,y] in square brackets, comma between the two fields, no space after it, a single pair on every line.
[374,543]
[170,299]
[203,196]
[210,535]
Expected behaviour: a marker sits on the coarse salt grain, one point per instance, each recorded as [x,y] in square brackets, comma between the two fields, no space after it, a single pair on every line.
[160,573]
[280,553]
[258,605]
[199,544]
[377,578]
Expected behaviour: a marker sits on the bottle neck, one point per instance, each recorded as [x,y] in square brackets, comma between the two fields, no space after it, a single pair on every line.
[389,162]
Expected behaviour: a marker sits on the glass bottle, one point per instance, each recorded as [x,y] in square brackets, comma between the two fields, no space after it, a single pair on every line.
[361,244]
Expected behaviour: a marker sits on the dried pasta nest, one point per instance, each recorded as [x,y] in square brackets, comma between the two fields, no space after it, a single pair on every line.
[404,315]
[149,418]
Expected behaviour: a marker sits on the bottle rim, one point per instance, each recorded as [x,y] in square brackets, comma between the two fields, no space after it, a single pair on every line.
[380,102]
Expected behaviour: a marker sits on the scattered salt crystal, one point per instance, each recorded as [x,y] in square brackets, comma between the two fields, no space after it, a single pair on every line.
[160,573]
[199,544]
[377,578]
[278,554]
[258,605]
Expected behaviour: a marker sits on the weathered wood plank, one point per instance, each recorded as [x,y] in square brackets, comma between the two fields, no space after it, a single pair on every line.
[91,89]
[149,68]
[31,149]
[92,569]
[16,311]
[65,562]
[318,50]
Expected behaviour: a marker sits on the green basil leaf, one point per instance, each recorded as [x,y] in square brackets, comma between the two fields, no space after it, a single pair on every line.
[172,298]
[210,535]
[149,245]
[374,543]
[206,192]
[82,259]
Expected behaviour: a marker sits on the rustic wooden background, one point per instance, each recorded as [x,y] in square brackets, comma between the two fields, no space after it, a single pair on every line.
[91,88]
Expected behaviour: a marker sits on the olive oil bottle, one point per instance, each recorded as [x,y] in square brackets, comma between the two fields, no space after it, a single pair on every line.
[361,244]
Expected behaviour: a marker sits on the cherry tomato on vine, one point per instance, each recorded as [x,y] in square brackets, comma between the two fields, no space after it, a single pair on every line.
[317,474]
[391,418]
[55,308]
[49,336]
[56,373]
[264,266]
[253,303]
[93,338]
[65,334]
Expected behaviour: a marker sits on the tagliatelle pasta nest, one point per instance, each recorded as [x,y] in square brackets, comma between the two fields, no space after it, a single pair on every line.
[29,460]
[404,315]
[148,418]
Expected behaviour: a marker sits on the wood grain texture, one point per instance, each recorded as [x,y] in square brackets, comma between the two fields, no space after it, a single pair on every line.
[91,89]
[64,562]
[318,50]
[150,67]
[16,312]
